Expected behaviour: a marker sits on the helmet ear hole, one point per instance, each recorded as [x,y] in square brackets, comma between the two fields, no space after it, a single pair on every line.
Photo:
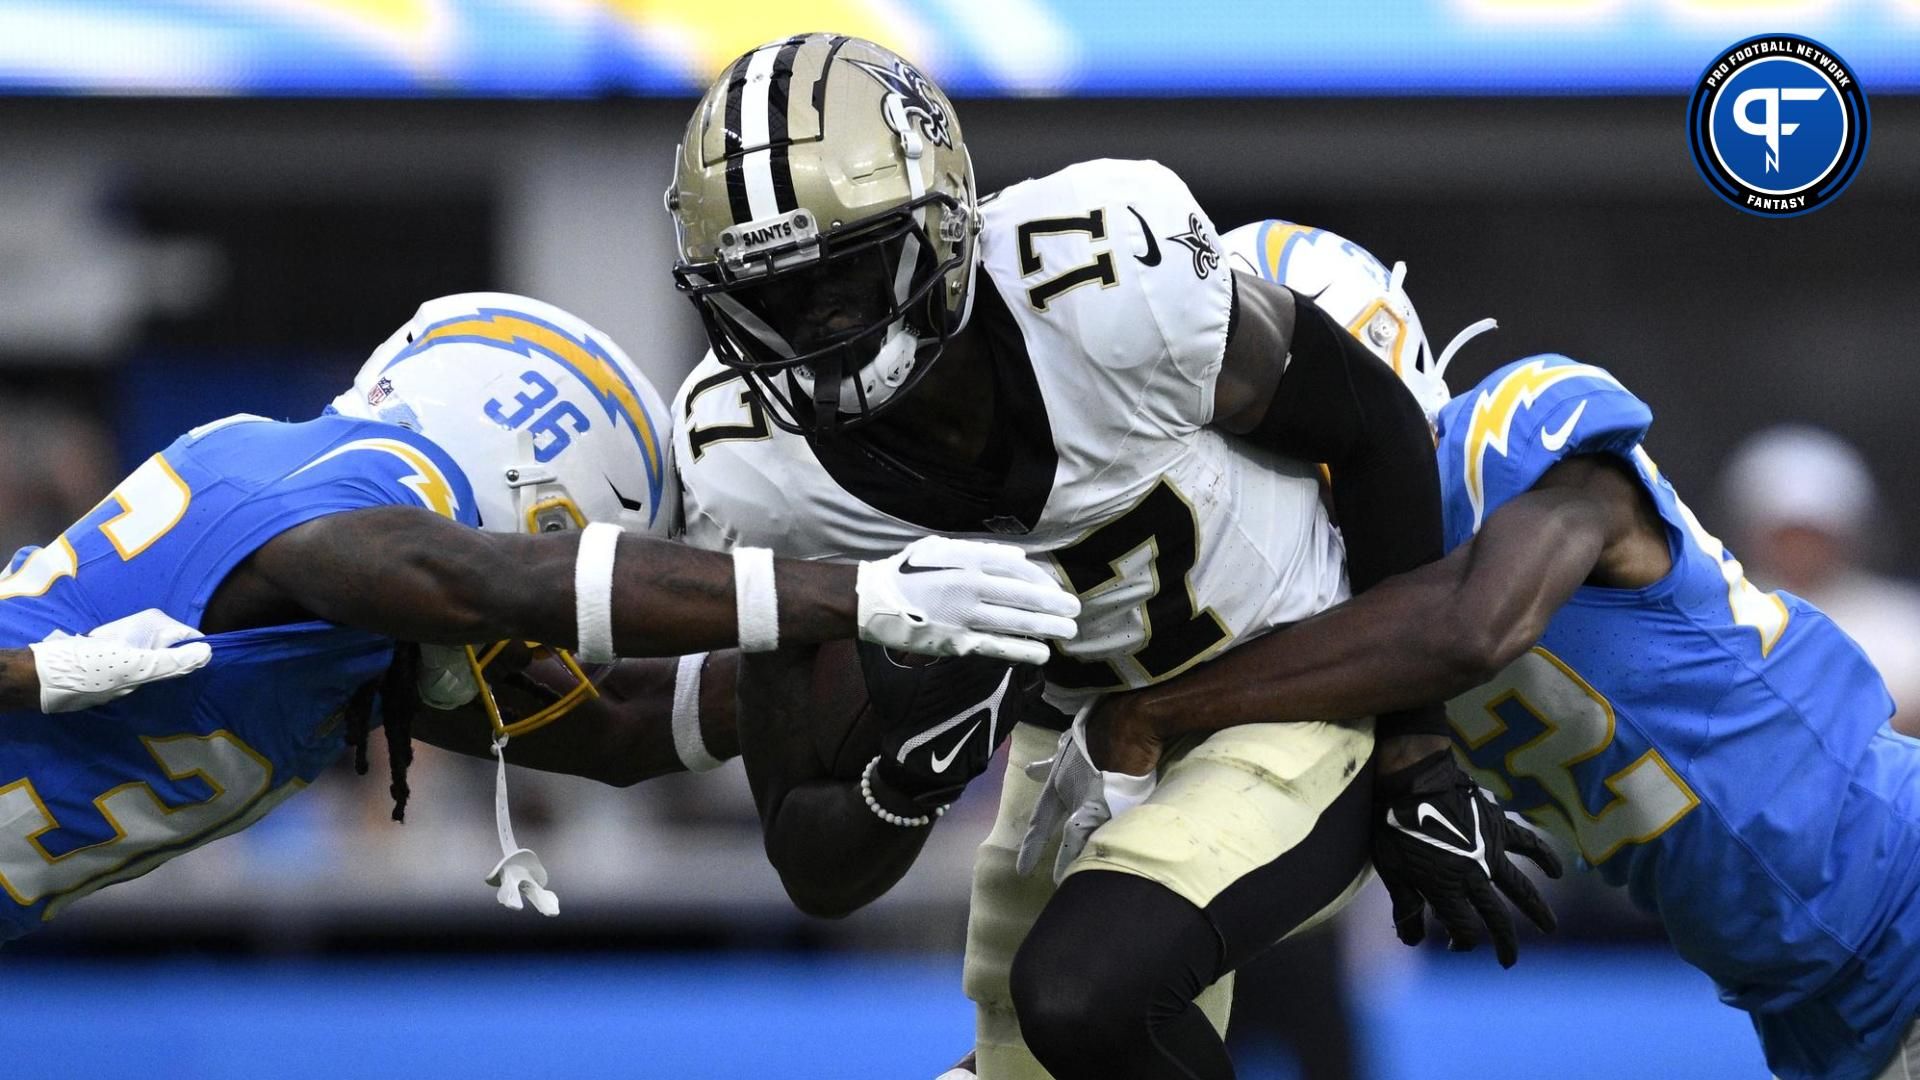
[553,512]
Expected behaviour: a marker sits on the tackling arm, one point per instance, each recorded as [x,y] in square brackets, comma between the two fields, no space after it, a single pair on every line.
[1423,636]
[415,576]
[621,738]
[1296,382]
[411,575]
[19,683]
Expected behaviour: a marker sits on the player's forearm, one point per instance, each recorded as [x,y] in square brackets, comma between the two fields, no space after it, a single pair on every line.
[621,738]
[833,854]
[19,681]
[1338,404]
[670,599]
[1424,636]
[411,575]
[1367,656]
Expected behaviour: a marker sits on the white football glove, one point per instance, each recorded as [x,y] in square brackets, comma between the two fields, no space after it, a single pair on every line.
[946,597]
[115,659]
[1076,798]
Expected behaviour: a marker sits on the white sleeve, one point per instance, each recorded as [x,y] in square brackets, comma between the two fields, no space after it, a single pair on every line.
[1150,297]
[698,526]
[1190,290]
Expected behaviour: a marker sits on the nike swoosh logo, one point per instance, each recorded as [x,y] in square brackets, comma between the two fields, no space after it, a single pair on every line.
[908,566]
[1426,813]
[941,761]
[1477,850]
[1152,257]
[1554,440]
[971,712]
[629,504]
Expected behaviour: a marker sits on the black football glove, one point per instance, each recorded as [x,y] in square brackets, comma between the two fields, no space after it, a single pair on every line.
[1438,840]
[943,718]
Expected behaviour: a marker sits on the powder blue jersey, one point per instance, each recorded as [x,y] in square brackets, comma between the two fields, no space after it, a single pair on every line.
[91,798]
[1720,751]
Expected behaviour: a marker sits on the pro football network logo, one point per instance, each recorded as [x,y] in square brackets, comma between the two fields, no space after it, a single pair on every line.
[1778,125]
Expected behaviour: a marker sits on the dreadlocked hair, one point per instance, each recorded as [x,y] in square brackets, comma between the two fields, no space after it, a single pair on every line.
[398,696]
[359,713]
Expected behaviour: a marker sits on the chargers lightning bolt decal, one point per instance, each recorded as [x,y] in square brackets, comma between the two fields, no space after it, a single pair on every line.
[1493,414]
[427,482]
[585,358]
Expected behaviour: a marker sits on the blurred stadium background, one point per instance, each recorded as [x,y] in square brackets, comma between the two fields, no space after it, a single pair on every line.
[211,206]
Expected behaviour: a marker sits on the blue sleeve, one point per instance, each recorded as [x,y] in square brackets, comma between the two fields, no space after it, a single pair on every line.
[1498,439]
[359,464]
[173,530]
[254,481]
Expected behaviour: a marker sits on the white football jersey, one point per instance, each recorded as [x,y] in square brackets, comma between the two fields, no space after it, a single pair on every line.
[1106,305]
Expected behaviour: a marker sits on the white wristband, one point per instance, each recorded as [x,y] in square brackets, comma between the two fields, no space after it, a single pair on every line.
[687,743]
[593,592]
[755,602]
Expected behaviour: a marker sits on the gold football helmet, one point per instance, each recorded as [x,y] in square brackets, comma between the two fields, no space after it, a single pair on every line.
[825,210]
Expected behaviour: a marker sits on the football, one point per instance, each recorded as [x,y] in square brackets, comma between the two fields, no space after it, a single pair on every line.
[846,730]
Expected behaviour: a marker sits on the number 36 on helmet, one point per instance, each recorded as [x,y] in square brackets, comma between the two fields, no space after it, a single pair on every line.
[554,428]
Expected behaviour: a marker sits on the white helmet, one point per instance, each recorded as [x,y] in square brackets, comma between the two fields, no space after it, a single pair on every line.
[1348,283]
[553,426]
[551,423]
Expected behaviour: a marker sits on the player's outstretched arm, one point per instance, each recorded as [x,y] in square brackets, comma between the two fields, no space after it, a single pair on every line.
[19,682]
[69,673]
[624,736]
[1294,381]
[414,576]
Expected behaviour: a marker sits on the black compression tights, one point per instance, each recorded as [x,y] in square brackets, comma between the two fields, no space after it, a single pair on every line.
[1105,982]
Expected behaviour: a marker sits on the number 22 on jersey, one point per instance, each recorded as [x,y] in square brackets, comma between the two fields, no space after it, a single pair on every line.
[1559,723]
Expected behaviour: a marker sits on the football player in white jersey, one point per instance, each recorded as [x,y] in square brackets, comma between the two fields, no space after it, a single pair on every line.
[1069,367]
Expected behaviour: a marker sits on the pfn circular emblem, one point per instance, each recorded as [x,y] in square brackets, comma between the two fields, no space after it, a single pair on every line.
[1778,125]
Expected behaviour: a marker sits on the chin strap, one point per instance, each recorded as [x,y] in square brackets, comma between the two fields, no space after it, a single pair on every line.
[519,873]
[826,393]
[1472,331]
[1430,385]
